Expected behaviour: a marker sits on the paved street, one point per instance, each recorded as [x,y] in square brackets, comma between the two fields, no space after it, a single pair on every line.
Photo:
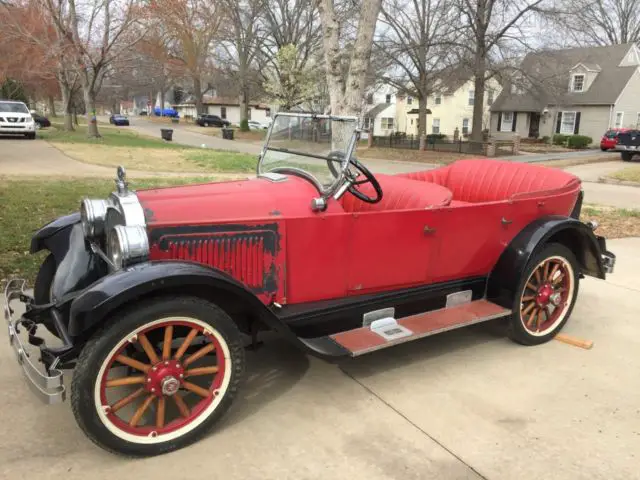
[467,404]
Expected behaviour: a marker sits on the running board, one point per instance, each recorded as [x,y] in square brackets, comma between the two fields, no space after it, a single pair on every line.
[386,332]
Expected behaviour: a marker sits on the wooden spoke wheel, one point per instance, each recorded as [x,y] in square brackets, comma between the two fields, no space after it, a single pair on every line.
[546,297]
[159,382]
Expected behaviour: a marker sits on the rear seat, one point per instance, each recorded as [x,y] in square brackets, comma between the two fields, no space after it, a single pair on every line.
[398,194]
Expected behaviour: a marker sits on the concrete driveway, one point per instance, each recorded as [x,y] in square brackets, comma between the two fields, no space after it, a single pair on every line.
[467,404]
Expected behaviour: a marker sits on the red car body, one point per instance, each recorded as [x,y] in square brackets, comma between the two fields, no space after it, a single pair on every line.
[610,138]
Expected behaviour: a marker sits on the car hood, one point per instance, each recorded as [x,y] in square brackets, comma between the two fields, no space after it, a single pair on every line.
[255,199]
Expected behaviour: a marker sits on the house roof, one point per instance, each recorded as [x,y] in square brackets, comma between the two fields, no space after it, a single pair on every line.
[546,77]
[375,111]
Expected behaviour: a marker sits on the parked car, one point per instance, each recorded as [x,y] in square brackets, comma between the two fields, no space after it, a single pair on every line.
[166,112]
[150,291]
[40,120]
[628,144]
[206,120]
[16,119]
[255,125]
[119,120]
[610,138]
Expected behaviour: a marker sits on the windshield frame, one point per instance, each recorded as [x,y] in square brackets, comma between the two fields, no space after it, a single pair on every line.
[325,191]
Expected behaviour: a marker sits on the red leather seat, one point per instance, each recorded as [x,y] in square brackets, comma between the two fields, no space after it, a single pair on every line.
[398,194]
[477,181]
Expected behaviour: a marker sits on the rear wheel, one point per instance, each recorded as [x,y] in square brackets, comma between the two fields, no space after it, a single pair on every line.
[157,377]
[547,294]
[626,156]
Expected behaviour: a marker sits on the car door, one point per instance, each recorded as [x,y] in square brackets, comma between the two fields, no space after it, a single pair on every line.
[391,249]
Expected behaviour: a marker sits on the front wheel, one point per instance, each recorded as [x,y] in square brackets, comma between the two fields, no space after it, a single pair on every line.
[546,296]
[157,377]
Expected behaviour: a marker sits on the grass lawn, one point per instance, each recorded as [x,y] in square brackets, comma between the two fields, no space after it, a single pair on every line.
[569,162]
[257,136]
[120,146]
[614,222]
[28,204]
[629,174]
[407,155]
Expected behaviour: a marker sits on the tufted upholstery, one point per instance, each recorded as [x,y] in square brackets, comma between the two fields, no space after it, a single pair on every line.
[398,194]
[477,181]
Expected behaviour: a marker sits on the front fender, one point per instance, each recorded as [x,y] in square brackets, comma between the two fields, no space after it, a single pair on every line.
[578,237]
[54,234]
[93,306]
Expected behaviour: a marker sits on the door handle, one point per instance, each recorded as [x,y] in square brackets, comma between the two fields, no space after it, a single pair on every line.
[428,230]
[505,221]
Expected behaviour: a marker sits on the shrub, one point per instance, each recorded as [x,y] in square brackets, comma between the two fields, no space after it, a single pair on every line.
[244,125]
[436,136]
[579,141]
[559,139]
[546,139]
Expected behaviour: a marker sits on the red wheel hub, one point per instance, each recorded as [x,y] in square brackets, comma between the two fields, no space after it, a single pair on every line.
[165,378]
[544,294]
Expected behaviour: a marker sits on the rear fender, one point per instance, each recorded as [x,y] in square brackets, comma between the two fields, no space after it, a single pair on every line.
[506,275]
[94,306]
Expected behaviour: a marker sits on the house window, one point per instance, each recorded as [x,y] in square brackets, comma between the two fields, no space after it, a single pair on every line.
[366,123]
[370,99]
[578,83]
[568,124]
[435,127]
[412,119]
[465,126]
[223,112]
[386,123]
[248,114]
[507,122]
[438,99]
[409,100]
[490,97]
[388,98]
[619,118]
[472,96]
[267,112]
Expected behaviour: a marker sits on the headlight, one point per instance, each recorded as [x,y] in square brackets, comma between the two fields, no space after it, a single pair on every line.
[127,245]
[93,214]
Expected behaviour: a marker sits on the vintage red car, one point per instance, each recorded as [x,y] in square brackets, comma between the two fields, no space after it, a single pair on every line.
[610,138]
[152,293]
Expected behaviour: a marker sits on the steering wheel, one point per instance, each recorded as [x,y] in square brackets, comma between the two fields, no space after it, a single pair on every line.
[361,169]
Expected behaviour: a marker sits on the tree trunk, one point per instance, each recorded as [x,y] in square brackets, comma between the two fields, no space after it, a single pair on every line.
[197,92]
[480,71]
[52,106]
[422,121]
[90,105]
[65,92]
[244,108]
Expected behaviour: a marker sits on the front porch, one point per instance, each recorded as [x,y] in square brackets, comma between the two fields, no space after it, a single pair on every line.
[504,125]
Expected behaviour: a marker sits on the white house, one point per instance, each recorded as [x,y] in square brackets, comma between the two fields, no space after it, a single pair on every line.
[379,112]
[227,108]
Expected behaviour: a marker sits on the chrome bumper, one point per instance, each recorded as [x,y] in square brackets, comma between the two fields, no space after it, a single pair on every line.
[48,387]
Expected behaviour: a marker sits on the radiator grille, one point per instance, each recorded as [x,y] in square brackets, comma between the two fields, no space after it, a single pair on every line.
[241,256]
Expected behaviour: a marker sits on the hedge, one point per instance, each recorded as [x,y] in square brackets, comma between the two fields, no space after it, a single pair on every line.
[559,139]
[579,141]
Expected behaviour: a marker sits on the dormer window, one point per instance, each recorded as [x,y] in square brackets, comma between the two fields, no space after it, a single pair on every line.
[578,83]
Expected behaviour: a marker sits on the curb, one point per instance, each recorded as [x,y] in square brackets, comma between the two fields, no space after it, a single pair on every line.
[613,181]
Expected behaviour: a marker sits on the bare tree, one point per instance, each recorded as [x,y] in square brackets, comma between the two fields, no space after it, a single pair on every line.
[97,34]
[192,26]
[415,40]
[596,22]
[345,93]
[490,26]
[244,39]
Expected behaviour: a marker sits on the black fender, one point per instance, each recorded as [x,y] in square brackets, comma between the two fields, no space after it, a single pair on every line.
[92,307]
[54,234]
[76,265]
[507,273]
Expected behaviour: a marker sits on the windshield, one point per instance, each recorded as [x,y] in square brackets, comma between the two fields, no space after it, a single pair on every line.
[307,143]
[13,107]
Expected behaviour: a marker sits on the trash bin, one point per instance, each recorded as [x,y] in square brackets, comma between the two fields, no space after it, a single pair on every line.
[227,133]
[166,133]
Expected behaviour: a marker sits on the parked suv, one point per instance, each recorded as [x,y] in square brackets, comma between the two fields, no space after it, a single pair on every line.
[610,138]
[15,119]
[212,121]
